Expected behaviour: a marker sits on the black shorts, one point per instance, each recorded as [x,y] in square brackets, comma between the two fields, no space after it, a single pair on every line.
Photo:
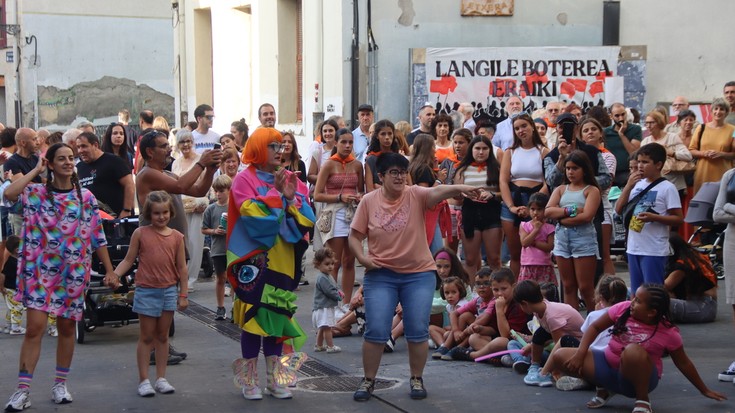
[220,264]
[479,216]
[5,228]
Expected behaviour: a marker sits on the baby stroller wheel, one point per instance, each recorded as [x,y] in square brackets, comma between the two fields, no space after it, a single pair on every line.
[80,331]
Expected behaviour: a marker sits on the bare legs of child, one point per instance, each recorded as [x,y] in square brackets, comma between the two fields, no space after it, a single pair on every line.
[153,336]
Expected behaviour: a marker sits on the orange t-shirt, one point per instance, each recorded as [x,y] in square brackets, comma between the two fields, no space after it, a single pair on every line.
[157,258]
[443,153]
[396,231]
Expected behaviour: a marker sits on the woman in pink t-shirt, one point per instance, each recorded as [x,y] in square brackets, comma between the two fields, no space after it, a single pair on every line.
[643,329]
[398,265]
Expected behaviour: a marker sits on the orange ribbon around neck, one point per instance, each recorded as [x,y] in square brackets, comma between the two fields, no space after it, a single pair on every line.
[376,153]
[481,166]
[343,161]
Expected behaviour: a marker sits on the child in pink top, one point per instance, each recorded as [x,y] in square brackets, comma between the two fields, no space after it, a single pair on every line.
[643,329]
[537,240]
[556,320]
[162,265]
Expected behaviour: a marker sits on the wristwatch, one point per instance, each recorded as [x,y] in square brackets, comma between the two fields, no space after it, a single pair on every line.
[128,210]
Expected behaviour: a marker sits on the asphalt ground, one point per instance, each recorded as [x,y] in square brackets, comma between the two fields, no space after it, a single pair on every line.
[104,375]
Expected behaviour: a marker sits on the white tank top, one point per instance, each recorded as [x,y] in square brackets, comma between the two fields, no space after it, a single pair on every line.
[526,165]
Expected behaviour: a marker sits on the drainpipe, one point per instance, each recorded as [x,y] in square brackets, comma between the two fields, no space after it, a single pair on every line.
[354,61]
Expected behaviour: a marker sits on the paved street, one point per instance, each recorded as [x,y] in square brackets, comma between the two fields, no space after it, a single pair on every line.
[104,376]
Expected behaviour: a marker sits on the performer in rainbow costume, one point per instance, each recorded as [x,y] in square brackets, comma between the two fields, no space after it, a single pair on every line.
[268,216]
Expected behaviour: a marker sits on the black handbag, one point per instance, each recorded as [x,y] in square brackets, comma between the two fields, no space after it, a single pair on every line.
[628,209]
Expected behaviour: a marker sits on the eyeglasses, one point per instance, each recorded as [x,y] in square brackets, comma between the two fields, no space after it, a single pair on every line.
[649,123]
[209,117]
[277,147]
[186,142]
[552,110]
[483,284]
[395,173]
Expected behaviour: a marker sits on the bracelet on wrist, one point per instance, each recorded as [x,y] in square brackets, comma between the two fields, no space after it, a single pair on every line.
[201,165]
[339,197]
[183,296]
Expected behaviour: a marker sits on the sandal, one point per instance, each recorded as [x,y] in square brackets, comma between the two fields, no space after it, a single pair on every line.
[642,409]
[599,401]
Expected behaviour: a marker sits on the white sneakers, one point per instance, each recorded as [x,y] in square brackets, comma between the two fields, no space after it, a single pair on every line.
[20,400]
[60,394]
[162,386]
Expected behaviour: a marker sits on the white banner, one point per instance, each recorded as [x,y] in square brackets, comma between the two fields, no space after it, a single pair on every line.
[486,77]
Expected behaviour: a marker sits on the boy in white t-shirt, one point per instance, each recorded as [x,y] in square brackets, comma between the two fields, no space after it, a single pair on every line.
[654,215]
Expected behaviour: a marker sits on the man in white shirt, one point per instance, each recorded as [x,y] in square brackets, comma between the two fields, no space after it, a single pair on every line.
[204,138]
[503,138]
[360,134]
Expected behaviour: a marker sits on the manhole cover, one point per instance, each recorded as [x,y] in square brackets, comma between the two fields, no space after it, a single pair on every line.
[343,384]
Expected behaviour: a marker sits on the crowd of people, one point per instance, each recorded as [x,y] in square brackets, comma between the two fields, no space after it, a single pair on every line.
[479,241]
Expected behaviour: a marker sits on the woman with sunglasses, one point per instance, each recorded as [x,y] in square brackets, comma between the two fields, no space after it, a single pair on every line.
[399,267]
[269,216]
[193,206]
[340,186]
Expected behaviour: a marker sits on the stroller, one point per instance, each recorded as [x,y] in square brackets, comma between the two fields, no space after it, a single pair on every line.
[711,234]
[102,305]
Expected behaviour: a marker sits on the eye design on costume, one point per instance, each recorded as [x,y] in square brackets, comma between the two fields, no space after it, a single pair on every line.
[246,274]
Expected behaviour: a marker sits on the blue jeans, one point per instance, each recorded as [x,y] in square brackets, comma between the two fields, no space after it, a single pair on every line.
[516,345]
[645,269]
[383,289]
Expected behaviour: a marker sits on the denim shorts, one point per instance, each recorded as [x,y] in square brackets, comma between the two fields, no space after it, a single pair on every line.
[612,379]
[383,289]
[576,242]
[152,302]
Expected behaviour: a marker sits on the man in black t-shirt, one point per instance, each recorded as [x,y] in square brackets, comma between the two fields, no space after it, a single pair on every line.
[24,159]
[106,175]
[22,162]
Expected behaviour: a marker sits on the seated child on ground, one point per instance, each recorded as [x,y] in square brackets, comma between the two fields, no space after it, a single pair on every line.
[555,321]
[490,332]
[465,315]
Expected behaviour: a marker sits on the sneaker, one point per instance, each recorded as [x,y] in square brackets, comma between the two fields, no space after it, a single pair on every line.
[506,360]
[221,314]
[163,386]
[145,389]
[727,375]
[569,383]
[535,378]
[173,352]
[17,331]
[521,366]
[417,388]
[53,331]
[319,349]
[334,349]
[390,345]
[172,360]
[20,400]
[439,352]
[459,353]
[365,390]
[252,393]
[6,329]
[60,394]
